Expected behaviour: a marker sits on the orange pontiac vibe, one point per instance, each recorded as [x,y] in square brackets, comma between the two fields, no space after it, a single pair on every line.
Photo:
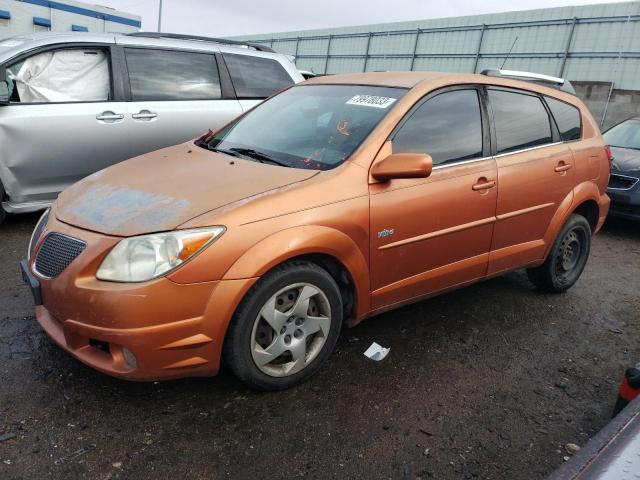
[335,200]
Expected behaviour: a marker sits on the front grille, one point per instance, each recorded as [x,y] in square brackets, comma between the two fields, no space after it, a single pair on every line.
[56,253]
[621,182]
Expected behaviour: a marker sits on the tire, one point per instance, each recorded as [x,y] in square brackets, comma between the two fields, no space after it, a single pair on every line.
[3,214]
[285,328]
[567,257]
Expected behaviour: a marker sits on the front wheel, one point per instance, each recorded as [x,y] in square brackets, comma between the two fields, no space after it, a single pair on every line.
[3,195]
[285,328]
[567,257]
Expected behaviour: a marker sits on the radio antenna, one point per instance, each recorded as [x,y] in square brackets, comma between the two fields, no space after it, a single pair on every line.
[508,54]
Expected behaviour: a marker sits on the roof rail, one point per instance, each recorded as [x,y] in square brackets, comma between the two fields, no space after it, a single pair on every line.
[557,82]
[180,36]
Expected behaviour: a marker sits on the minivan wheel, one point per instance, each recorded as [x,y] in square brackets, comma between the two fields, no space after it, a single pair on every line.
[285,328]
[567,258]
[3,214]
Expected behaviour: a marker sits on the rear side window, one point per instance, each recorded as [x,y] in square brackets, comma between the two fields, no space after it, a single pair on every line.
[172,75]
[256,77]
[521,121]
[448,127]
[567,118]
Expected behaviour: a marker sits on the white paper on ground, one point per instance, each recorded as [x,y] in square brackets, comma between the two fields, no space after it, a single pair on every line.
[376,352]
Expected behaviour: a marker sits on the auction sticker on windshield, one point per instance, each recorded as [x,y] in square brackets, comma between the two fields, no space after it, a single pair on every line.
[371,101]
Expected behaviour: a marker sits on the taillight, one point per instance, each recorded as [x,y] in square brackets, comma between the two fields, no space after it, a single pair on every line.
[607,150]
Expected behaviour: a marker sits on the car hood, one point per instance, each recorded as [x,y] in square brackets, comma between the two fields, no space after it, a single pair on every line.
[162,190]
[626,159]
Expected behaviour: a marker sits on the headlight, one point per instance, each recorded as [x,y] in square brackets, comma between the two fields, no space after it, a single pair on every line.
[37,232]
[138,259]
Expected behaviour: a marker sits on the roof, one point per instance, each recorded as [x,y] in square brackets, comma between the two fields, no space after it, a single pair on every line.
[383,79]
[410,80]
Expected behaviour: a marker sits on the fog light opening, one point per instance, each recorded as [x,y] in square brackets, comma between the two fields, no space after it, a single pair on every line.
[129,357]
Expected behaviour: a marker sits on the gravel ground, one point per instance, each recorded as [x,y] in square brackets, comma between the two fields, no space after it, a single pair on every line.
[491,381]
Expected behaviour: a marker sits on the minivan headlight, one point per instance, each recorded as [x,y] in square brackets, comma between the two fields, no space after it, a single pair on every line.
[142,258]
[37,232]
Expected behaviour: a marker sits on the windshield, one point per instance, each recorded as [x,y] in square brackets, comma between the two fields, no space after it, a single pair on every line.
[309,126]
[625,135]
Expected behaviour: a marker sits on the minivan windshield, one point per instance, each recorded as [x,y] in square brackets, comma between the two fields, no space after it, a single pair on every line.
[315,127]
[624,135]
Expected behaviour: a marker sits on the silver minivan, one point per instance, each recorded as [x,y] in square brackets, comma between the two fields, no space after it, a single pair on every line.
[74,103]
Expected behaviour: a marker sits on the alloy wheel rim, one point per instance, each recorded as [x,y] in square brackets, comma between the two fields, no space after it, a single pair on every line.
[290,330]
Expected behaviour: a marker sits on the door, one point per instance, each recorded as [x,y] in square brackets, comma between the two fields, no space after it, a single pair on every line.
[175,96]
[255,77]
[535,173]
[432,234]
[62,123]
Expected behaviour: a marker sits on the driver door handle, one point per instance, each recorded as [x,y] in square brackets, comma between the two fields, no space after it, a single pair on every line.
[109,117]
[484,184]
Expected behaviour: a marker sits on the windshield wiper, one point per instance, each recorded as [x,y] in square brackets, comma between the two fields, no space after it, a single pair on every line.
[256,155]
[226,152]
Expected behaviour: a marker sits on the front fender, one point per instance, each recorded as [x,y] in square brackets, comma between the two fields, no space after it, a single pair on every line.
[303,240]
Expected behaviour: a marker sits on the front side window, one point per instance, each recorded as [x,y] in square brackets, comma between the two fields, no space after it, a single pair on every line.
[69,75]
[164,75]
[256,77]
[521,121]
[448,127]
[309,126]
[567,119]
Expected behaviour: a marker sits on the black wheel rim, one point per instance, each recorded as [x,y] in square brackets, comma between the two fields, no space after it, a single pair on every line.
[570,254]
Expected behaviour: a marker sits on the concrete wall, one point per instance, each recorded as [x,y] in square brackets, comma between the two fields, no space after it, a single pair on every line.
[63,14]
[622,104]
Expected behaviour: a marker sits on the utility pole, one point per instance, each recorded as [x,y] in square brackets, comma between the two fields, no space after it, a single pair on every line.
[160,16]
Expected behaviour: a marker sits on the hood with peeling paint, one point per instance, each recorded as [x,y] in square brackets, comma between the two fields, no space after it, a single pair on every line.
[161,190]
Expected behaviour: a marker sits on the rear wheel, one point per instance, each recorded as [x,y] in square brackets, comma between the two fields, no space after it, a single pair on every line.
[285,328]
[567,257]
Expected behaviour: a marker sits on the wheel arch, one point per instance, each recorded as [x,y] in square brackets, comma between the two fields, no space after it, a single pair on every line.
[329,248]
[583,199]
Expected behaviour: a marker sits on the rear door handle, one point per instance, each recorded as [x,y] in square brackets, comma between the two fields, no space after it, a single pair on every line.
[484,184]
[109,116]
[562,167]
[144,115]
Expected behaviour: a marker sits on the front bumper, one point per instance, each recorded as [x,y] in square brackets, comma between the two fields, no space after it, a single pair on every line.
[142,331]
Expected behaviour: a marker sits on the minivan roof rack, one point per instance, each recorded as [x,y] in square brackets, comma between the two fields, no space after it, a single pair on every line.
[180,36]
[557,82]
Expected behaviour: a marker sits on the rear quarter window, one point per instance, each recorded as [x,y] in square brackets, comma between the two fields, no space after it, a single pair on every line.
[256,77]
[567,119]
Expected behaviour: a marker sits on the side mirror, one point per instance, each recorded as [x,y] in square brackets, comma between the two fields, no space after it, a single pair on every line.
[403,165]
[5,95]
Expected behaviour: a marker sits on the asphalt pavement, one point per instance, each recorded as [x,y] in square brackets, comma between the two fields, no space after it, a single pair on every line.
[491,381]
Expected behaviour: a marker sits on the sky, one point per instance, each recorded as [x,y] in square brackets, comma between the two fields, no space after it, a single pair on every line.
[221,18]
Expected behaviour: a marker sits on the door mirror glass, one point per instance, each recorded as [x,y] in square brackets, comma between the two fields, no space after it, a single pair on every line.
[403,165]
